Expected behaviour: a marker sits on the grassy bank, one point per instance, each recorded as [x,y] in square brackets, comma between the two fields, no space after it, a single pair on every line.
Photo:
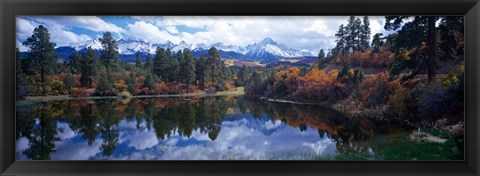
[39,99]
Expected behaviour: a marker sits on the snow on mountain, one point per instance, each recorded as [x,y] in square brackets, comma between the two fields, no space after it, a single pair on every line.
[94,43]
[182,45]
[131,46]
[224,47]
[267,49]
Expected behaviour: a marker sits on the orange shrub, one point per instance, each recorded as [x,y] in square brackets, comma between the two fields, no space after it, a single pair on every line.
[120,85]
[80,92]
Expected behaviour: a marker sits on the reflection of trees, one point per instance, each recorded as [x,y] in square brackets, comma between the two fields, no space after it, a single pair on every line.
[41,130]
[167,116]
[109,117]
[205,115]
[329,123]
[89,119]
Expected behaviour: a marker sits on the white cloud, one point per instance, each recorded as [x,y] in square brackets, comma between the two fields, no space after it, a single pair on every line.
[22,144]
[150,32]
[66,132]
[59,34]
[25,28]
[70,150]
[20,46]
[300,32]
[92,23]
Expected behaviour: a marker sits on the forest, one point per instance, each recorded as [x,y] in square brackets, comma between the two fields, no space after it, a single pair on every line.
[416,73]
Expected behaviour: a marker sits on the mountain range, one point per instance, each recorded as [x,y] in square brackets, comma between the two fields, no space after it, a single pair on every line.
[266,50]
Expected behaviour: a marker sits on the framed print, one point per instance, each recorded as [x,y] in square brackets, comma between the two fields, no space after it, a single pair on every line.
[239,88]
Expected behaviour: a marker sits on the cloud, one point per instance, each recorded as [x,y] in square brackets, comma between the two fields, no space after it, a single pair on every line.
[24,28]
[233,142]
[300,32]
[71,150]
[91,23]
[59,34]
[20,46]
[150,32]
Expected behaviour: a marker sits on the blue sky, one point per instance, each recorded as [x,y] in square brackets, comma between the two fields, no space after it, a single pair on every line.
[299,32]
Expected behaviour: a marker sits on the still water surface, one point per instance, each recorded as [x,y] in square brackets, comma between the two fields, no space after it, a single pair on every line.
[200,128]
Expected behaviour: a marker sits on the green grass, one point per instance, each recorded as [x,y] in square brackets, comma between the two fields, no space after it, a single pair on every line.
[407,149]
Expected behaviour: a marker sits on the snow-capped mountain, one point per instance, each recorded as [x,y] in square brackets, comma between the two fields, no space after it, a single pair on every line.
[265,50]
[94,43]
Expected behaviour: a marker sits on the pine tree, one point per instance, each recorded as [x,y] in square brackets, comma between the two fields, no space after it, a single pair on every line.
[74,64]
[187,67]
[160,64]
[321,56]
[22,86]
[408,37]
[365,34]
[201,71]
[214,64]
[341,40]
[242,76]
[351,31]
[149,64]
[377,42]
[42,51]
[173,66]
[88,67]
[138,60]
[110,54]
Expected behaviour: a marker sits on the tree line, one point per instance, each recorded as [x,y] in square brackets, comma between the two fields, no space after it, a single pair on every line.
[165,72]
[408,83]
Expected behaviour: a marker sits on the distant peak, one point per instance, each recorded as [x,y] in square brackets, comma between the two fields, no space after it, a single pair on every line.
[268,40]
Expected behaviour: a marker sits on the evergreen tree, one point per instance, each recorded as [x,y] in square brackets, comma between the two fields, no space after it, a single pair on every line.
[341,40]
[88,67]
[42,51]
[22,86]
[352,33]
[105,85]
[408,38]
[160,64]
[138,60]
[201,71]
[74,64]
[321,57]
[187,67]
[365,34]
[242,76]
[131,82]
[173,66]
[149,64]
[110,53]
[377,42]
[214,65]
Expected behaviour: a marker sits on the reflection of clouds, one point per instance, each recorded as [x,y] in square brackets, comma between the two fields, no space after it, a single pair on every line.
[71,150]
[22,144]
[66,132]
[245,139]
[320,147]
[236,141]
[139,139]
[271,125]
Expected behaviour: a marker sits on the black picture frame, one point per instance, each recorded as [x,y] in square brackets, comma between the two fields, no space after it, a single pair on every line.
[10,8]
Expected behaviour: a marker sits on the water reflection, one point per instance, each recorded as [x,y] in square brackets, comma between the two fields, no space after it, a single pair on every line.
[199,128]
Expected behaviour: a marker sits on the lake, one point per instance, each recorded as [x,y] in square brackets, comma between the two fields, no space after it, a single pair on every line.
[212,128]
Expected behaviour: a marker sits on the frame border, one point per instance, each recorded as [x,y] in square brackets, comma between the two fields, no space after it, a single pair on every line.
[10,8]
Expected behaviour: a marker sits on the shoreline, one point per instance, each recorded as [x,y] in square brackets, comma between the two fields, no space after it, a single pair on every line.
[41,99]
